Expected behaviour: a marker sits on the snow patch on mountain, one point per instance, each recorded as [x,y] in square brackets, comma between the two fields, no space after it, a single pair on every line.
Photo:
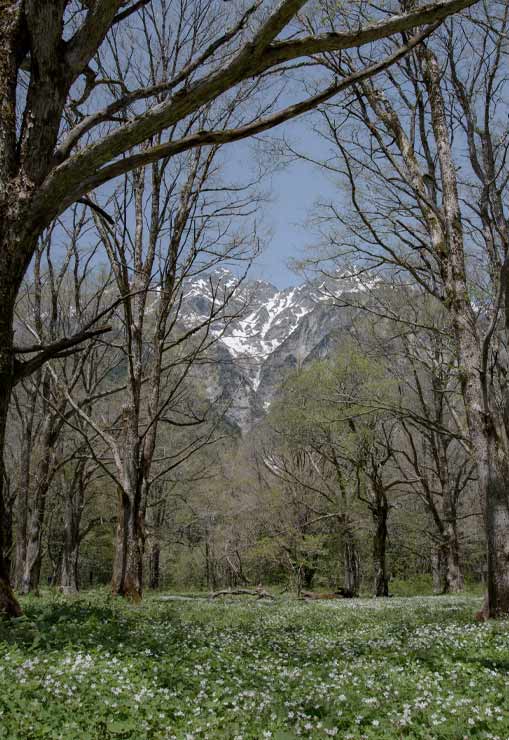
[263,318]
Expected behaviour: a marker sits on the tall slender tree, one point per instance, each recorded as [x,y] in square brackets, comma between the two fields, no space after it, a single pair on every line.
[413,215]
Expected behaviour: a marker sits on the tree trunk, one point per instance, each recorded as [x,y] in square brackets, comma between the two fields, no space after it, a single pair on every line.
[22,494]
[73,509]
[208,564]
[381,579]
[453,576]
[351,564]
[23,166]
[497,535]
[154,518]
[69,584]
[437,568]
[32,565]
[8,533]
[481,416]
[154,566]
[445,556]
[128,565]
[8,603]
[493,475]
[37,494]
[21,536]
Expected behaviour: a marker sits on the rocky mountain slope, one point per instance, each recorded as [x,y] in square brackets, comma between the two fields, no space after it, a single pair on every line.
[266,333]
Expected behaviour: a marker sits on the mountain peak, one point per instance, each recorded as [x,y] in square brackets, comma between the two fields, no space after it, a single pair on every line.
[276,331]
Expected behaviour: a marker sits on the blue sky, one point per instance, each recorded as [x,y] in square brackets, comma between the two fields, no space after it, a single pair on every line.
[294,189]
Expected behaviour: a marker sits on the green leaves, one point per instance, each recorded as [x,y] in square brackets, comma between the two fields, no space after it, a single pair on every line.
[122,727]
[336,401]
[413,667]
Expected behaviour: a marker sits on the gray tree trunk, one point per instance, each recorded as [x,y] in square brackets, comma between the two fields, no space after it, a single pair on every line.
[482,424]
[381,579]
[453,575]
[127,577]
[22,503]
[37,501]
[8,602]
[69,565]
[351,564]
[155,566]
[437,568]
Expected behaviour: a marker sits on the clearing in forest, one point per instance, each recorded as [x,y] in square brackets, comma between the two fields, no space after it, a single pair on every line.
[399,668]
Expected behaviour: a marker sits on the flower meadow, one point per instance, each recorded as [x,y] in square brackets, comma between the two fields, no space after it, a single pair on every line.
[96,667]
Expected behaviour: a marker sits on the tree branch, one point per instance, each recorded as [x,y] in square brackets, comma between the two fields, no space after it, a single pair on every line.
[244,65]
[55,349]
[87,39]
[284,51]
[202,138]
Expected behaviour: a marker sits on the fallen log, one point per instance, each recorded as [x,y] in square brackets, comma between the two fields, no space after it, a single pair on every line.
[341,593]
[259,592]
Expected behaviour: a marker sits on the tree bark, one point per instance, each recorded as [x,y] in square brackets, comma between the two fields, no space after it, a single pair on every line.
[351,564]
[437,568]
[154,566]
[494,482]
[23,166]
[22,505]
[17,245]
[69,565]
[8,533]
[453,575]
[481,417]
[69,583]
[8,602]
[445,558]
[33,554]
[37,500]
[154,513]
[209,564]
[381,579]
[128,565]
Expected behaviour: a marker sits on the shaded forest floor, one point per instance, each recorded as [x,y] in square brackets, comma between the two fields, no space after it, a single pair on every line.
[401,668]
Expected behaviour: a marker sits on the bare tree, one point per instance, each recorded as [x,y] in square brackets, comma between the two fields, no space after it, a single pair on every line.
[411,333]
[74,491]
[415,218]
[81,488]
[188,217]
[49,307]
[66,129]
[434,454]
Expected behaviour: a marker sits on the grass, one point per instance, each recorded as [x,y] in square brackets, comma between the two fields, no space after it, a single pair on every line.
[399,668]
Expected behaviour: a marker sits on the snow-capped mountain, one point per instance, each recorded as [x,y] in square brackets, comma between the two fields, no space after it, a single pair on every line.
[264,332]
